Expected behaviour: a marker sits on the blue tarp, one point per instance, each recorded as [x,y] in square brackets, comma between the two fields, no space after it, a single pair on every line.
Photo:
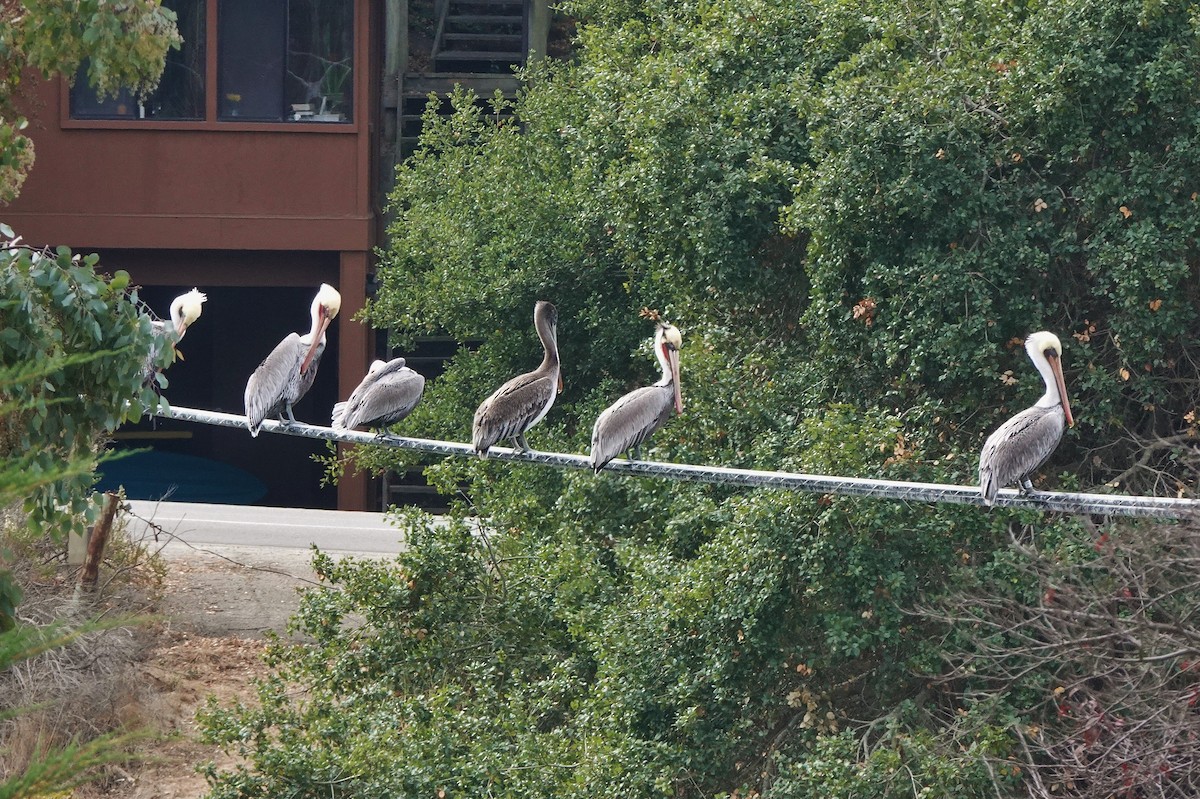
[155,475]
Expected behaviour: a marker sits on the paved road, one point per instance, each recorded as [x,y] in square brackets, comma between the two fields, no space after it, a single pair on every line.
[235,569]
[248,526]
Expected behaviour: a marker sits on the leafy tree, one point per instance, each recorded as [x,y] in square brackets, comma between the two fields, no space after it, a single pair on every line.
[73,346]
[73,343]
[854,211]
[123,43]
[981,171]
[79,345]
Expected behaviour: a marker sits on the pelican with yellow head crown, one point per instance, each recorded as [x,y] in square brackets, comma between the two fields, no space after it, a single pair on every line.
[185,309]
[289,371]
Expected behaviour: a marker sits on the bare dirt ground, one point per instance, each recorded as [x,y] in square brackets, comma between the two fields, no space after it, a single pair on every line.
[214,611]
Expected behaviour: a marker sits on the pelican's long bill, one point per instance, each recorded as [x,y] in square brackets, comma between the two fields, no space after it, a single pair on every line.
[672,354]
[1056,367]
[318,330]
[325,306]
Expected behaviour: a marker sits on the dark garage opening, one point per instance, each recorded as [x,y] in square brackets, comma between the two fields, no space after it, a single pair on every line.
[189,462]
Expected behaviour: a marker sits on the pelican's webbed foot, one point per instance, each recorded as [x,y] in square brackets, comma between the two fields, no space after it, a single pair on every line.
[1028,492]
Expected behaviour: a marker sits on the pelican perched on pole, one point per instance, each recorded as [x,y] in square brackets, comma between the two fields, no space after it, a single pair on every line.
[632,419]
[288,372]
[1024,442]
[185,309]
[387,394]
[521,403]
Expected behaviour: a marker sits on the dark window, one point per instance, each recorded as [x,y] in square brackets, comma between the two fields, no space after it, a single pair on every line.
[286,59]
[252,42]
[180,92]
[87,104]
[320,59]
[277,60]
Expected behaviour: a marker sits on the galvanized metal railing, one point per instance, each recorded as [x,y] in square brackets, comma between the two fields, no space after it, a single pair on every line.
[1062,502]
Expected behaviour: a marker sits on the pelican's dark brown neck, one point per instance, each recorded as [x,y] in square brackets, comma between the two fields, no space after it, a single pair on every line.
[549,338]
[545,321]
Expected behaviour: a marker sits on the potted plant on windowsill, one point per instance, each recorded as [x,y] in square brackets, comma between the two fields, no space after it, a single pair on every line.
[332,87]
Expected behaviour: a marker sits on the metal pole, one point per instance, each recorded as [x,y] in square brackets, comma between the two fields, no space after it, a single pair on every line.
[1098,504]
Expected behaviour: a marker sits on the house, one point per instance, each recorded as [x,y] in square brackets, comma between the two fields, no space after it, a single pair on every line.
[256,171]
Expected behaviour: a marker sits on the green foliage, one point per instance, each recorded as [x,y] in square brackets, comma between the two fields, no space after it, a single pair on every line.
[981,171]
[74,346]
[78,345]
[853,211]
[904,763]
[16,157]
[124,44]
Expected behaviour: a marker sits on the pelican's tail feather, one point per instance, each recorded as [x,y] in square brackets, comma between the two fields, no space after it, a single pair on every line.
[988,488]
[339,415]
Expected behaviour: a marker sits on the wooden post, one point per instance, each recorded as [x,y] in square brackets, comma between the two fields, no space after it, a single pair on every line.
[97,542]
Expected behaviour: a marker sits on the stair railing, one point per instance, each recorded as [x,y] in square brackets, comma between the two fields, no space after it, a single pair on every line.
[440,9]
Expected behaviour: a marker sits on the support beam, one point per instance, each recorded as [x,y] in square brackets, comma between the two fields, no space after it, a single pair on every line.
[354,350]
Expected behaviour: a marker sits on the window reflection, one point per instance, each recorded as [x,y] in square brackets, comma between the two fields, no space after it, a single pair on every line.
[180,92]
[251,35]
[286,59]
[276,60]
[320,59]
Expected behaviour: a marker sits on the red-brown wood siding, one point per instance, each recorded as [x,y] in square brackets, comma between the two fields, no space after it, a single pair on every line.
[200,185]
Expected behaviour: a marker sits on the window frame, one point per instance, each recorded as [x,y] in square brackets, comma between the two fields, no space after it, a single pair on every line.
[212,121]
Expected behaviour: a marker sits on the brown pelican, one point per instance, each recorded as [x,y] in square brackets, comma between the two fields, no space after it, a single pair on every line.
[635,417]
[387,394]
[521,403]
[1024,442]
[185,309]
[288,372]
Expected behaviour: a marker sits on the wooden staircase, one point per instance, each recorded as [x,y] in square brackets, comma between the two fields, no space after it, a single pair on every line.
[480,36]
[415,97]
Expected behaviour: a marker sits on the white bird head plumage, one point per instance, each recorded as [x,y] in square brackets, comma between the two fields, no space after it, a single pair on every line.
[186,309]
[1041,341]
[328,301]
[667,341]
[325,307]
[1045,350]
[668,334]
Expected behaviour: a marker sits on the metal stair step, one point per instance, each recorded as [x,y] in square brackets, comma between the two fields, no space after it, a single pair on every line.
[484,4]
[488,19]
[507,39]
[484,10]
[479,55]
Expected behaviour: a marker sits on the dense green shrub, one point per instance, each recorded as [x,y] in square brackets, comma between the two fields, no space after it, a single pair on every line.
[72,349]
[983,170]
[76,346]
[853,211]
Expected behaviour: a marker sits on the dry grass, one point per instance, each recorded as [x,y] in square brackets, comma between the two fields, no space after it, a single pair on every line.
[89,686]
